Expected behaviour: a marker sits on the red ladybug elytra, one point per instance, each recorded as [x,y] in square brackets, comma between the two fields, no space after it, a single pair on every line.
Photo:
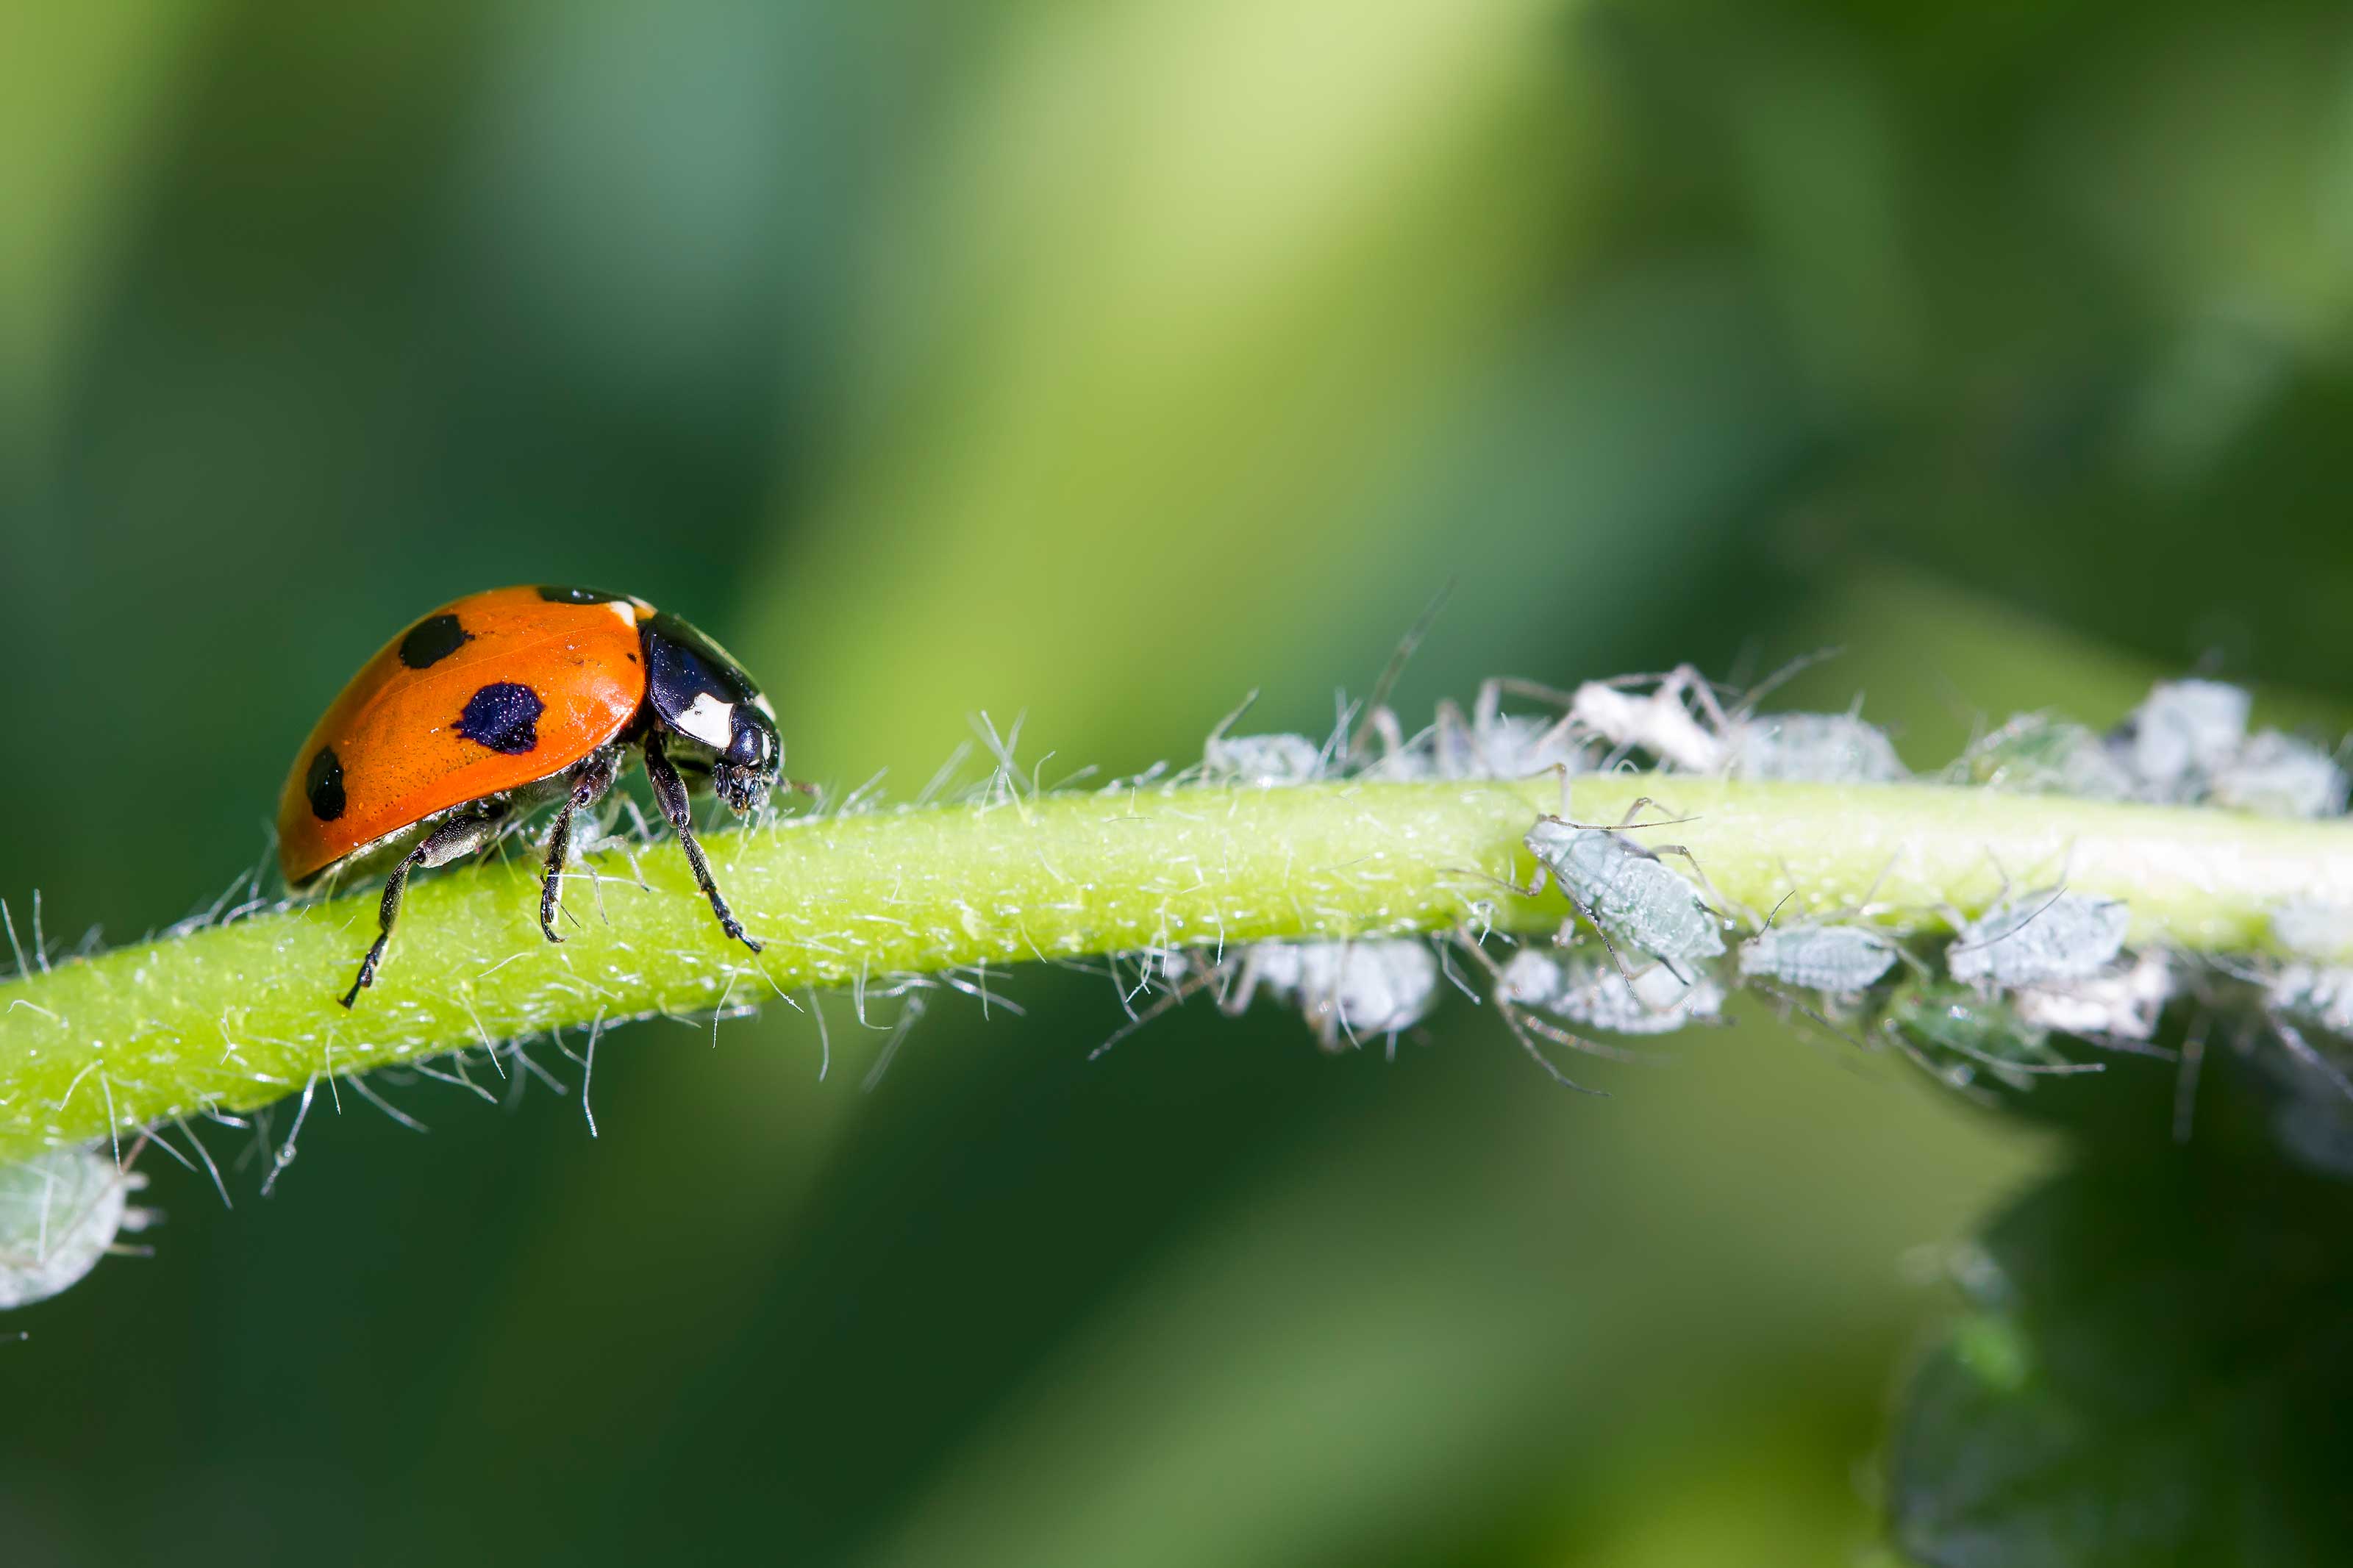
[503,700]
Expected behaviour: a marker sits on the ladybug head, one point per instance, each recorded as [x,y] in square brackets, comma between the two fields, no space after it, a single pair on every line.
[698,694]
[745,773]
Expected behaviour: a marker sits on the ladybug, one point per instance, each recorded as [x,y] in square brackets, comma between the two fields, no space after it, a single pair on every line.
[505,700]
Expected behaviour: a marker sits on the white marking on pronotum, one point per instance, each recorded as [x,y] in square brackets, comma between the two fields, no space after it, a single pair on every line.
[708,721]
[627,611]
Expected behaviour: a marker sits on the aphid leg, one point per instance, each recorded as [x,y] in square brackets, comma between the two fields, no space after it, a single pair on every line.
[590,780]
[451,841]
[670,795]
[1183,992]
[1517,1019]
[1560,939]
[1635,810]
[1765,687]
[2302,1051]
[1377,704]
[1235,1001]
[1788,997]
[1685,679]
[1919,1059]
[1453,737]
[1715,898]
[1382,723]
[2185,1082]
[1535,690]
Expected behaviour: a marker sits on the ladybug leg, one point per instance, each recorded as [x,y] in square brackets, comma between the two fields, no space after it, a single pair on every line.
[590,780]
[451,841]
[669,793]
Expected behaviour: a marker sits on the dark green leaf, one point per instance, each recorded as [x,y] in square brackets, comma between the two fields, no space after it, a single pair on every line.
[2157,1368]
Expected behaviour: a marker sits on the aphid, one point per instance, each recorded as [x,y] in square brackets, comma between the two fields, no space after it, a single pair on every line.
[2123,1003]
[2315,994]
[2313,928]
[2279,775]
[1811,748]
[1348,991]
[1592,991]
[1488,743]
[2180,737]
[2037,941]
[1262,762]
[1682,723]
[59,1214]
[506,699]
[1661,721]
[1935,1021]
[1839,959]
[1626,891]
[2036,755]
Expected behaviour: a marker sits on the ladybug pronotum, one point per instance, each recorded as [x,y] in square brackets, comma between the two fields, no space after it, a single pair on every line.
[505,700]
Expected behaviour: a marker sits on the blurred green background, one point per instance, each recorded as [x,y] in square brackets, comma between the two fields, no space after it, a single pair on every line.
[1101,363]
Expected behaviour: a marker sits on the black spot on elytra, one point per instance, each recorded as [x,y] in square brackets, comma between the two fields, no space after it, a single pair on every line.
[563,595]
[503,717]
[433,639]
[324,785]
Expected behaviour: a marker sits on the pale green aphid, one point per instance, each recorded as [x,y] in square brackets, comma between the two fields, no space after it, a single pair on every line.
[2041,939]
[1627,892]
[59,1213]
[1840,960]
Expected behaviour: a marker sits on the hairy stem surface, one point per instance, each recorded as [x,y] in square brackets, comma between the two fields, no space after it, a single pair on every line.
[234,1016]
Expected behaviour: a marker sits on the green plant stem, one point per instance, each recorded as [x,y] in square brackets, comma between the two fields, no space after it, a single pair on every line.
[231,1017]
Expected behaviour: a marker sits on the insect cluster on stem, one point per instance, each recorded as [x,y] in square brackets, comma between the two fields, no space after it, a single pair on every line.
[1648,948]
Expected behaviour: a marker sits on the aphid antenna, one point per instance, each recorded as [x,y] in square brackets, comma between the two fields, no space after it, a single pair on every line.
[1337,744]
[2038,1070]
[2303,1051]
[2038,911]
[1746,707]
[1218,732]
[2107,1040]
[1400,657]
